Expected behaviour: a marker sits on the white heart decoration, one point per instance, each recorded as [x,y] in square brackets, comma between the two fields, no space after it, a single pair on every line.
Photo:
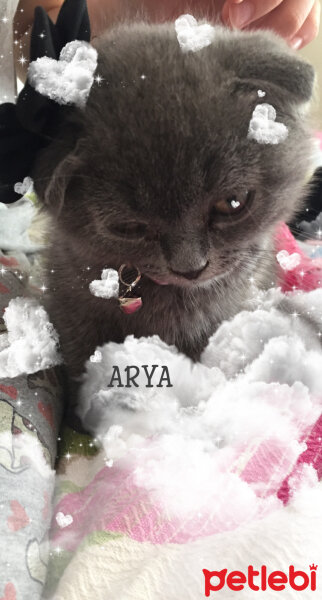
[235,203]
[63,520]
[288,261]
[69,79]
[96,357]
[263,127]
[192,36]
[107,286]
[24,186]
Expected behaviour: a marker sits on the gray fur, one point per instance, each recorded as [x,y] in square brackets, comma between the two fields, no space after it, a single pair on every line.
[163,150]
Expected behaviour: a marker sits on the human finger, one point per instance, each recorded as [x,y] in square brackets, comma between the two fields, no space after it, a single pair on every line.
[286,19]
[241,13]
[309,29]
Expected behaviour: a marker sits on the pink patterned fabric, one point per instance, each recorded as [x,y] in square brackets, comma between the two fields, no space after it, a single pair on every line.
[312,456]
[113,503]
[307,275]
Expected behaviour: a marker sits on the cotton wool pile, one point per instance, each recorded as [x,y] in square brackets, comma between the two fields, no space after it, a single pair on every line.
[31,343]
[16,218]
[259,380]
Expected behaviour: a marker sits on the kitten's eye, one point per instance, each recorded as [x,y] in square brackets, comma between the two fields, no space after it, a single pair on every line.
[234,204]
[130,230]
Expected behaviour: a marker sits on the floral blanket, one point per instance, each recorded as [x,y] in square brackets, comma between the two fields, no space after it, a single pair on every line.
[30,415]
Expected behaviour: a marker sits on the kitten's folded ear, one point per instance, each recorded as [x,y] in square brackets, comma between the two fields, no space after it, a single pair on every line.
[51,186]
[264,57]
[55,167]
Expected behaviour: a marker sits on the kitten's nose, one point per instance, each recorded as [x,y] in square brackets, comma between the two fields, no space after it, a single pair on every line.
[191,274]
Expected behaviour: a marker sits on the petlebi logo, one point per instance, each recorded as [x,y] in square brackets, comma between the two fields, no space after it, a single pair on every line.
[259,580]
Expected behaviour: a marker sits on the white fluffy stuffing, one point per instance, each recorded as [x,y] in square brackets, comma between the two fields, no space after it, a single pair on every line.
[259,379]
[15,220]
[107,286]
[69,79]
[31,342]
[263,127]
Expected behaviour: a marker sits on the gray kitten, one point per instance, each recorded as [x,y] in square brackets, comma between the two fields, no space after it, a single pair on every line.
[158,173]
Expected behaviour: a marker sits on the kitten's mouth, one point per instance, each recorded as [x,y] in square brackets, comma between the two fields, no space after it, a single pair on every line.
[204,279]
[182,281]
[159,281]
[177,278]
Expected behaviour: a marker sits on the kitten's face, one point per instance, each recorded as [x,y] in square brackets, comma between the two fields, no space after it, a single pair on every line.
[166,178]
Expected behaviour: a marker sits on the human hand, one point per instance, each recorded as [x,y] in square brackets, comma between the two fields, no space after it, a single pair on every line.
[295,20]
